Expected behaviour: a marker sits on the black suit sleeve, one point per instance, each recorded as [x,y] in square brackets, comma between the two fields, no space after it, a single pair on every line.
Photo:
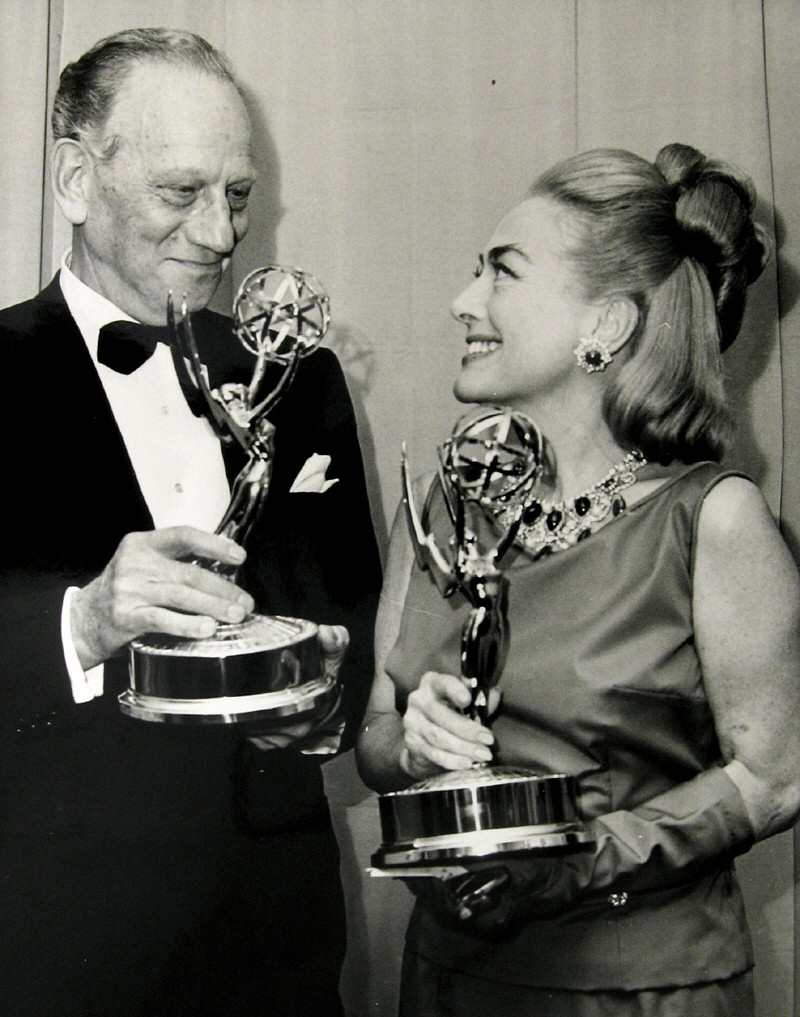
[34,571]
[70,496]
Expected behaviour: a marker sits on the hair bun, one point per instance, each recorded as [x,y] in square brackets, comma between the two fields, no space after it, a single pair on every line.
[680,165]
[714,205]
[758,252]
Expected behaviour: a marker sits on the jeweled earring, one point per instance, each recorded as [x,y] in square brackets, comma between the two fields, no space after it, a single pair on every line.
[592,354]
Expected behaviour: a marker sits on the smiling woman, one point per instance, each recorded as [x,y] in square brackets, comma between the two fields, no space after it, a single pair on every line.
[160,201]
[522,313]
[600,307]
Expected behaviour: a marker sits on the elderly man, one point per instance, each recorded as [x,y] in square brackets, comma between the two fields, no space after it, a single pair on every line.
[150,868]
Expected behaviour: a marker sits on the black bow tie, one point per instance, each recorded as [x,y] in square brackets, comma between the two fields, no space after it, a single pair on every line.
[125,345]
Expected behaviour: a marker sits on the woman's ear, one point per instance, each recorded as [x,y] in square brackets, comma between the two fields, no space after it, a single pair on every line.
[71,170]
[616,322]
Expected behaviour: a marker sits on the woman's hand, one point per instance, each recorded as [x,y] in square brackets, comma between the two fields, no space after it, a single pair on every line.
[395,750]
[437,735]
[495,895]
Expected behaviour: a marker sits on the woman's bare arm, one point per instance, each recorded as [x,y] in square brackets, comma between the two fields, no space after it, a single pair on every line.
[394,751]
[747,629]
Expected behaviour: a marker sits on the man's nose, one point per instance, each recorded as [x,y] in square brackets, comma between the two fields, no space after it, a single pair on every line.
[212,226]
[470,304]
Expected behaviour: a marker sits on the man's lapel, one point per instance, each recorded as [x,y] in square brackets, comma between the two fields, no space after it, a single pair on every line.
[81,418]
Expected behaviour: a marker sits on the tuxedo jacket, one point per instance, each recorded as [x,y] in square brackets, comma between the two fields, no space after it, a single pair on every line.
[111,828]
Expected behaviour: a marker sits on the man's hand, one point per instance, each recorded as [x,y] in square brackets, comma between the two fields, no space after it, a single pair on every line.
[319,735]
[152,584]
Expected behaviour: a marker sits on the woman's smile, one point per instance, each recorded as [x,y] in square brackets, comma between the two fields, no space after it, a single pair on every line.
[524,311]
[479,347]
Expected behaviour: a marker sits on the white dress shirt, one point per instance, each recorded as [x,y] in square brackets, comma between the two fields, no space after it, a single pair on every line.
[176,456]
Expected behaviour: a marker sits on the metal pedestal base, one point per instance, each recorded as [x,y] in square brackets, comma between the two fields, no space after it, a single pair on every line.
[480,813]
[480,844]
[311,698]
[266,668]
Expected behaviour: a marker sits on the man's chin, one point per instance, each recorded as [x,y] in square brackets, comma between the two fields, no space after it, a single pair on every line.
[195,293]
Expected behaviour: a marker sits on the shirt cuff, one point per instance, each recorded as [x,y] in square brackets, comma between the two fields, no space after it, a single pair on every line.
[86,685]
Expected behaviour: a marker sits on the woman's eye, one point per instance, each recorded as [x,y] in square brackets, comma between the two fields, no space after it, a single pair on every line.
[501,269]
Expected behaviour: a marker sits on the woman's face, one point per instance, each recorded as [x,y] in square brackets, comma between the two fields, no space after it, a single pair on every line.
[524,311]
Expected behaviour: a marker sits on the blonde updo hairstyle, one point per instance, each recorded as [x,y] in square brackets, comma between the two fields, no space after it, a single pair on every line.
[678,238]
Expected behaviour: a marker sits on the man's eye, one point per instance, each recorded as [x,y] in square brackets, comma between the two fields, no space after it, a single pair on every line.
[501,269]
[238,198]
[179,194]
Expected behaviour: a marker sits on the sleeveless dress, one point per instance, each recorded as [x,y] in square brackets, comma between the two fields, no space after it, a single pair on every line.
[603,681]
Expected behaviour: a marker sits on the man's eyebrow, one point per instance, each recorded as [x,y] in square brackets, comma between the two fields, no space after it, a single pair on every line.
[166,176]
[496,253]
[172,174]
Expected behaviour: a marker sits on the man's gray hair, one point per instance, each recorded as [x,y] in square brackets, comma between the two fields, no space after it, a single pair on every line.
[89,86]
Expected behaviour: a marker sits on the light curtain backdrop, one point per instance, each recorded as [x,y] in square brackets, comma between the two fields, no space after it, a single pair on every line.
[391,137]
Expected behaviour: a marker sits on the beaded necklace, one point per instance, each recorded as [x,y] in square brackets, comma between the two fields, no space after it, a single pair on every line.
[553,526]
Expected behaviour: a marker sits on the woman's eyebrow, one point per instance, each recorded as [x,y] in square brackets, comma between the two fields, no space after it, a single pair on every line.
[496,253]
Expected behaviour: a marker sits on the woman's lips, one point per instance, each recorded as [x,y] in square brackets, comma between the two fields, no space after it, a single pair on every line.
[479,347]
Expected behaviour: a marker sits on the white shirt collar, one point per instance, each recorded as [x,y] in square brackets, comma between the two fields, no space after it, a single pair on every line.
[89,308]
[177,457]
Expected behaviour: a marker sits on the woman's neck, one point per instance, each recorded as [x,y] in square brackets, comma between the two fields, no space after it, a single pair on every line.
[575,469]
[579,448]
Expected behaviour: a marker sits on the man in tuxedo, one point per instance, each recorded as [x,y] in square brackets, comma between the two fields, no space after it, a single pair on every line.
[151,868]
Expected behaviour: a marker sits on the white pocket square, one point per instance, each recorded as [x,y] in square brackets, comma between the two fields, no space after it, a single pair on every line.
[311,478]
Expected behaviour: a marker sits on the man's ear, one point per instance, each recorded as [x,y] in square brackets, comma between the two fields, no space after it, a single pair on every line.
[617,318]
[71,171]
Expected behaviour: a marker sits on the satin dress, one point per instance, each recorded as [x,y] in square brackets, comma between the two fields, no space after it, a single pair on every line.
[602,681]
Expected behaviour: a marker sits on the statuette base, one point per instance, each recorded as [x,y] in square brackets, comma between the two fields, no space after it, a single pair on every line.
[264,668]
[484,812]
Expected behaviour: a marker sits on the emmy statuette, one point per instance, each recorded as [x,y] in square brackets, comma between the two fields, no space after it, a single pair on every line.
[489,810]
[265,667]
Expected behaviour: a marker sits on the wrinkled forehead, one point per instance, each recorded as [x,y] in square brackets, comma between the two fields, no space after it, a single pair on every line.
[160,105]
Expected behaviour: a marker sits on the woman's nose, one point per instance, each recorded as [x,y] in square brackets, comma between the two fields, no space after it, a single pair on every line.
[470,304]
